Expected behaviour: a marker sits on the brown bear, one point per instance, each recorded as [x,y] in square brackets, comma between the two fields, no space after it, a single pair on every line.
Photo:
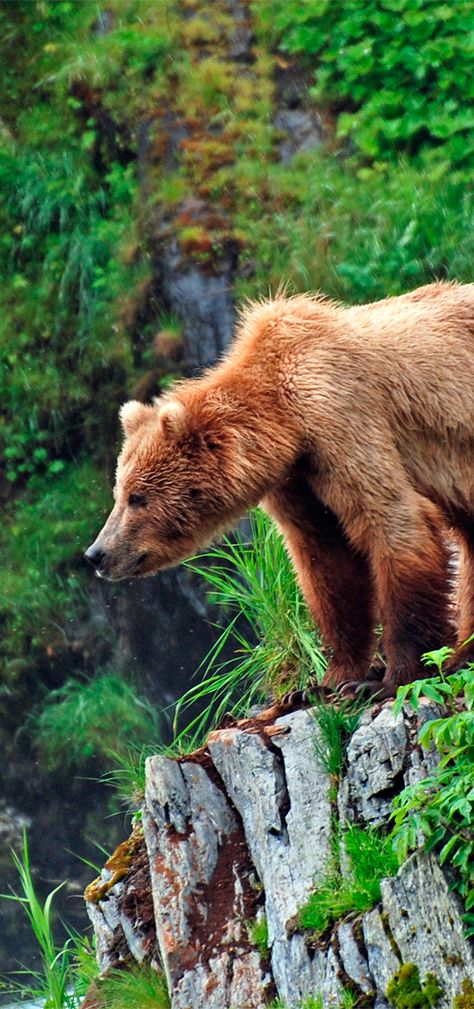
[352,427]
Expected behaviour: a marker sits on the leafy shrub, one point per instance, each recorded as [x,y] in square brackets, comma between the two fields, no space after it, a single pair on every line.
[371,857]
[400,71]
[275,643]
[440,808]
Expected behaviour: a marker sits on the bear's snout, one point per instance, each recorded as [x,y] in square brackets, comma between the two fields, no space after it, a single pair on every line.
[95,554]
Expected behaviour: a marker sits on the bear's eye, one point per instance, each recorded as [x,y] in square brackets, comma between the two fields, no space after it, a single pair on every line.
[137,501]
[194,492]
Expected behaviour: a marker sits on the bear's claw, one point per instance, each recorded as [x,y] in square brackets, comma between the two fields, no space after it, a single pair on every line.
[371,689]
[307,696]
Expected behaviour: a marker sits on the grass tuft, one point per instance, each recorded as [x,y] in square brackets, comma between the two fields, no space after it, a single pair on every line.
[336,725]
[258,935]
[141,987]
[371,857]
[127,776]
[96,717]
[66,971]
[276,647]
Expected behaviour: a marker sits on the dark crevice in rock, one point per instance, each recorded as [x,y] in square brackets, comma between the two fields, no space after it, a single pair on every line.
[282,792]
[397,783]
[346,980]
[390,936]
[137,904]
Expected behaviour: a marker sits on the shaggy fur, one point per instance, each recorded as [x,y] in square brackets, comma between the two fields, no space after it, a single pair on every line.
[354,428]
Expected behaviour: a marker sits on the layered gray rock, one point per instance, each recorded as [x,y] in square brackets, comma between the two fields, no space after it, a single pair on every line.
[119,905]
[203,888]
[243,828]
[270,777]
[382,757]
[423,918]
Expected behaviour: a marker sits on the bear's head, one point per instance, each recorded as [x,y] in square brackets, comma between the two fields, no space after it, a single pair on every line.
[172,490]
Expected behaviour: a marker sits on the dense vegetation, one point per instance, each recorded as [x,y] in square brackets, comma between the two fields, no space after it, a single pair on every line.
[397,71]
[117,121]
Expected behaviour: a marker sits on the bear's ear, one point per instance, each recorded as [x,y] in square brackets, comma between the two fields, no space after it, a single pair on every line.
[173,418]
[133,414]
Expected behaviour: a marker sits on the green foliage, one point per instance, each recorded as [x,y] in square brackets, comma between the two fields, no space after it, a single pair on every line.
[129,57]
[312,1002]
[406,991]
[61,231]
[440,808]
[358,236]
[336,725]
[94,718]
[66,971]
[137,986]
[348,1000]
[42,541]
[251,577]
[258,935]
[371,857]
[400,69]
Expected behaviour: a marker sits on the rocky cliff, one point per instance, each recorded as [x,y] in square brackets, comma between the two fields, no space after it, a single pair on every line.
[241,832]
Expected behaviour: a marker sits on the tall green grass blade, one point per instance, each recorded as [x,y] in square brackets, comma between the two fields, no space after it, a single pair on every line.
[275,645]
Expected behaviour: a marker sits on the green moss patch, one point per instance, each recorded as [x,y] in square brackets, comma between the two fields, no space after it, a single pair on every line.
[406,991]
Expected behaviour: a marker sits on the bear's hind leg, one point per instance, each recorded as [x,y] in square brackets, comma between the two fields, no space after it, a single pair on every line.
[335,579]
[465,596]
[415,596]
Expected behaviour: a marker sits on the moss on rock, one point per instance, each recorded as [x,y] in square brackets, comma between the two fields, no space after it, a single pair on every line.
[465,1000]
[407,991]
[118,865]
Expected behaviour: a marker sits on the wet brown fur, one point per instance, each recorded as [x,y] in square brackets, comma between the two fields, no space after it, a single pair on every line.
[354,428]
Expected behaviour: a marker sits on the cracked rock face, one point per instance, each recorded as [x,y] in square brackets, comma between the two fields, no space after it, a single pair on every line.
[381,759]
[423,918]
[201,300]
[203,888]
[286,816]
[124,920]
[243,828]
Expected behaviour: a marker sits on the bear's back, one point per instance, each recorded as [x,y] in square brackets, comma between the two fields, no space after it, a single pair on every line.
[441,310]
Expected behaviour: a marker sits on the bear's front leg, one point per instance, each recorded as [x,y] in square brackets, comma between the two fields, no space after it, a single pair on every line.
[335,579]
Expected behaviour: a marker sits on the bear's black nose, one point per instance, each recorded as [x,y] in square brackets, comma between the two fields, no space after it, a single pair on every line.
[95,555]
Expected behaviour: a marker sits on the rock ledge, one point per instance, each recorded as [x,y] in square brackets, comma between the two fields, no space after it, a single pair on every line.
[243,829]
